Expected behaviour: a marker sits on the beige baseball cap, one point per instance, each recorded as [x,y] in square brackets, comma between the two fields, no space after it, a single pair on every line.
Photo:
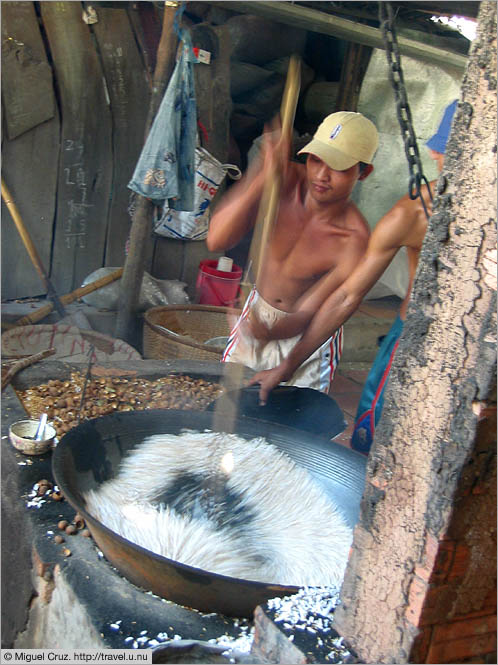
[343,139]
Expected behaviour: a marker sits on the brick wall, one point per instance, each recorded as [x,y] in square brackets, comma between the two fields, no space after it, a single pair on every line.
[433,598]
[452,598]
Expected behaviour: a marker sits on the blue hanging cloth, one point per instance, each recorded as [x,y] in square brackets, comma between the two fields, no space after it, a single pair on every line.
[166,166]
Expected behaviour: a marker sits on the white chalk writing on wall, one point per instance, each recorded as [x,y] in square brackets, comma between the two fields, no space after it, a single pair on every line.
[119,100]
[75,223]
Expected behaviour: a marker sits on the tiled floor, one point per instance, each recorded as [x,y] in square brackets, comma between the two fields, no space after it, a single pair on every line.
[349,379]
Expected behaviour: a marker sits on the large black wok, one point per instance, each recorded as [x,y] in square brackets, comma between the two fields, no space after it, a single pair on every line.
[91,453]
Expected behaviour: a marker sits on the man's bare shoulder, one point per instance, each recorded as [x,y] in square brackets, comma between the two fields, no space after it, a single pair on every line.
[357,223]
[404,225]
[409,207]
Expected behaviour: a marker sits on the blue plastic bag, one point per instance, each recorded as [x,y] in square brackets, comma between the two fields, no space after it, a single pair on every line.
[166,166]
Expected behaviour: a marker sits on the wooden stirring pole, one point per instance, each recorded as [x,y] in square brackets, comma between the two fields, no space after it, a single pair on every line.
[268,208]
[224,420]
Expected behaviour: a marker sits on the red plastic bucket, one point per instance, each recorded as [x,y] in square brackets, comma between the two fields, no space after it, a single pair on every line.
[217,287]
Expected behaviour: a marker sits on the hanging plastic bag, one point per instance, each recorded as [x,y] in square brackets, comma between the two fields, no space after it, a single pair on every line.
[166,166]
[209,174]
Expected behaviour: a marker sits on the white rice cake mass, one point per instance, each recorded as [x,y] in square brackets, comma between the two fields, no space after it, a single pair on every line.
[271,522]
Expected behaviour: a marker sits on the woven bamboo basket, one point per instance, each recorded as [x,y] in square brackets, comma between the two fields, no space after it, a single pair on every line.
[181,331]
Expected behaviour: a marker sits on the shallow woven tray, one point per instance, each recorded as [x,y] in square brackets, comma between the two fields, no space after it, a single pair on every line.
[180,331]
[70,343]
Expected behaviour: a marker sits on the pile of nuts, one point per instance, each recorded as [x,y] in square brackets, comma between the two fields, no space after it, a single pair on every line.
[46,488]
[78,524]
[61,400]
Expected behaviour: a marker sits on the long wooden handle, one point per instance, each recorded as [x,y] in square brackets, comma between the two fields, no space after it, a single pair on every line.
[44,311]
[287,114]
[30,247]
[23,232]
[291,94]
[268,209]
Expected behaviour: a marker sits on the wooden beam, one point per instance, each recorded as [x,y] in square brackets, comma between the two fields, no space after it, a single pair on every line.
[328,24]
[466,8]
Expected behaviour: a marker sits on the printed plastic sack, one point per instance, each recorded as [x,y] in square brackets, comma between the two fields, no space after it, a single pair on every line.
[209,174]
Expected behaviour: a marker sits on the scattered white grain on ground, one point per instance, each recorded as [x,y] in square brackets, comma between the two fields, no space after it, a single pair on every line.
[311,609]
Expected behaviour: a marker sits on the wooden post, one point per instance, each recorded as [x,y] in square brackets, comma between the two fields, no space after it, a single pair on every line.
[141,229]
[165,60]
[353,71]
[212,88]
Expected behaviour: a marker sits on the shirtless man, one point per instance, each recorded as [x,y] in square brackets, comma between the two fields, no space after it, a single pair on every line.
[403,226]
[318,238]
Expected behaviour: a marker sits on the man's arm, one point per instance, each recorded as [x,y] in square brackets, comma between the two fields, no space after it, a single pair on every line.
[388,236]
[236,214]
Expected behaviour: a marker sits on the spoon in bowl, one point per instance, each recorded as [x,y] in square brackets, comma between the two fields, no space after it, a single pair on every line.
[40,430]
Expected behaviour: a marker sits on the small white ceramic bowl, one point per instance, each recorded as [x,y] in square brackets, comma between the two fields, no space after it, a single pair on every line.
[22,436]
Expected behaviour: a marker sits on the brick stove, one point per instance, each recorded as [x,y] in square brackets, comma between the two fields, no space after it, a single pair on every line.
[449,609]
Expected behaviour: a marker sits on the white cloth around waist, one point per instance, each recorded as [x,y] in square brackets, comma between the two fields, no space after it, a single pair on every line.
[316,372]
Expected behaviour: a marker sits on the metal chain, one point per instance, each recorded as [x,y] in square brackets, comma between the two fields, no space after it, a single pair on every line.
[417,177]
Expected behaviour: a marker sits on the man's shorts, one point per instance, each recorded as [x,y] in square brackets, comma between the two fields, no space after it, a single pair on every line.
[316,372]
[372,397]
